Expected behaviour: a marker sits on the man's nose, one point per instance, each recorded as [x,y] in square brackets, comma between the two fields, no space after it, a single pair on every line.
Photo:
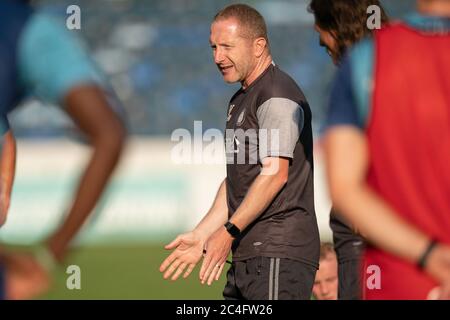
[218,56]
[324,289]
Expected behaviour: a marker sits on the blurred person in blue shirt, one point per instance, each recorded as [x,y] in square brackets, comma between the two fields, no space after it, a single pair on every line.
[386,143]
[341,24]
[40,57]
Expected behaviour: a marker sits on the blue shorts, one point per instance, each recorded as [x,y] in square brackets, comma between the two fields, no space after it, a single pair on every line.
[52,60]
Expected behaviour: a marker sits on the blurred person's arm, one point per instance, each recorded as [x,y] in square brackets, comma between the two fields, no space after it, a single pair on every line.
[347,161]
[89,109]
[347,158]
[189,246]
[7,172]
[8,97]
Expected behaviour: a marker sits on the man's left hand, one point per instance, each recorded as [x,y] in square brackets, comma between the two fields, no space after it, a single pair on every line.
[218,247]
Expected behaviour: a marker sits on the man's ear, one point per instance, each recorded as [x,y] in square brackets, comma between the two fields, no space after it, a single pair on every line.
[259,45]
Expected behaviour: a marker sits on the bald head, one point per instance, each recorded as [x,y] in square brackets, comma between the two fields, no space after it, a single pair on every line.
[250,22]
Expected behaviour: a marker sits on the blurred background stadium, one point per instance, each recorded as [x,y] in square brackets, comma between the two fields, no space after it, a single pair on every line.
[157,57]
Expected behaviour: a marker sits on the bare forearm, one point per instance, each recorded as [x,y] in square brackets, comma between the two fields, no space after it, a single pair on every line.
[89,191]
[379,223]
[261,193]
[7,171]
[347,166]
[216,216]
[90,110]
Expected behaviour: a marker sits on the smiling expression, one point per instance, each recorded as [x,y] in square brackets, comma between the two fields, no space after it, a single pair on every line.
[232,51]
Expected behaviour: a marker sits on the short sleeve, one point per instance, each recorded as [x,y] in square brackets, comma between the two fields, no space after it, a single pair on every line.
[352,88]
[280,122]
[342,108]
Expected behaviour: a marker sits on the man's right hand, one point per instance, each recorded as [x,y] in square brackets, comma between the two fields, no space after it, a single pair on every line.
[188,252]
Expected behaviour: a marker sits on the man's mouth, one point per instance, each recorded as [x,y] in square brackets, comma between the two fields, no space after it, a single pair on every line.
[224,69]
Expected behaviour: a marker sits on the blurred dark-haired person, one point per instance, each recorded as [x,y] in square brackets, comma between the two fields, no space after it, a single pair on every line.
[259,212]
[39,57]
[326,281]
[341,24]
[387,149]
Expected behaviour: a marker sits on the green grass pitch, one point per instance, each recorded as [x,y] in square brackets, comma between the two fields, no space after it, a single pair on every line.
[128,272]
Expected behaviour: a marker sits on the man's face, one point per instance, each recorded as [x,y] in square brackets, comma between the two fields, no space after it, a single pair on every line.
[233,53]
[329,42]
[326,282]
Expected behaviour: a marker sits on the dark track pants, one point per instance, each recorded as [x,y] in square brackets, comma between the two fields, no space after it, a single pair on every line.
[349,248]
[264,278]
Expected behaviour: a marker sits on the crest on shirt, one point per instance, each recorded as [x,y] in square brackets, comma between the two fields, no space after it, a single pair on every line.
[241,118]
[230,109]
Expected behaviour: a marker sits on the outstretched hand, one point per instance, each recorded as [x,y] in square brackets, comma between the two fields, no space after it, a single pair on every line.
[188,250]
